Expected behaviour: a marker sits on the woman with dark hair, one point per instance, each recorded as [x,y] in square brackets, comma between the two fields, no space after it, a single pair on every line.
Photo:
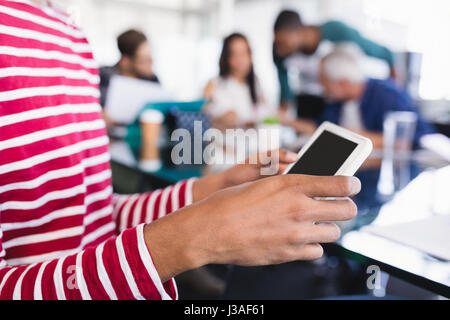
[235,96]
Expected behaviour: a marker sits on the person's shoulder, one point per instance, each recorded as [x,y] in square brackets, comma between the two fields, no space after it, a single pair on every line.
[384,84]
[107,71]
[334,25]
[214,82]
[53,13]
[335,30]
[220,82]
[208,92]
[385,89]
[60,12]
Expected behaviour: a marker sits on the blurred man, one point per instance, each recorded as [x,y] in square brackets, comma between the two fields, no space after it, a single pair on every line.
[301,47]
[135,61]
[360,103]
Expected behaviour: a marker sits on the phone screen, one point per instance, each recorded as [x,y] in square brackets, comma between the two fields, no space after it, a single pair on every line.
[325,156]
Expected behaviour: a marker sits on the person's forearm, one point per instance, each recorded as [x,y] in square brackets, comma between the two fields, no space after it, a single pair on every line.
[173,240]
[174,244]
[171,254]
[209,184]
[302,126]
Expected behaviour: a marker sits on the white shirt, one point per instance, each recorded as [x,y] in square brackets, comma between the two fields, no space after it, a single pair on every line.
[231,95]
[351,116]
[303,70]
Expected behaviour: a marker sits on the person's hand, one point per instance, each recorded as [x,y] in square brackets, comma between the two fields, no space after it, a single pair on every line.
[284,107]
[258,165]
[269,221]
[228,120]
[253,167]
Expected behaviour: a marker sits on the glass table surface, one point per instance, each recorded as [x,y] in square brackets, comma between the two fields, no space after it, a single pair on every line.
[424,193]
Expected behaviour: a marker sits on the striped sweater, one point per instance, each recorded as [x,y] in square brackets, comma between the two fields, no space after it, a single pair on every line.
[63,234]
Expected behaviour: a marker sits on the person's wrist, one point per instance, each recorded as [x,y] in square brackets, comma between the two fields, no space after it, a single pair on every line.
[171,246]
[225,179]
[209,184]
[174,243]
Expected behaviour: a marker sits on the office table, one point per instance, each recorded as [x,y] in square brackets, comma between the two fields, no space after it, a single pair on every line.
[397,259]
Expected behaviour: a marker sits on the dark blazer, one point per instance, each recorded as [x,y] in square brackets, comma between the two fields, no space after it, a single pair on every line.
[105,76]
[380,97]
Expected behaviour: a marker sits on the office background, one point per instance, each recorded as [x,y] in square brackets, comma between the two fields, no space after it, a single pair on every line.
[186,37]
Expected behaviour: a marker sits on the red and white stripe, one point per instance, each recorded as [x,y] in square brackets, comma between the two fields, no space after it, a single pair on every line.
[63,234]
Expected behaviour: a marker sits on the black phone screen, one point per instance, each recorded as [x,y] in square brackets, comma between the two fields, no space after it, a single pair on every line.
[325,156]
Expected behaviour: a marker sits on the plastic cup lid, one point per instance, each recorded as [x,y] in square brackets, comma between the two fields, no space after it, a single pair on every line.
[152,116]
[150,165]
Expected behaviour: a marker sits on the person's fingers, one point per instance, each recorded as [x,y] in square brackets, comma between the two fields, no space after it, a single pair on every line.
[267,158]
[310,232]
[325,232]
[285,156]
[331,210]
[311,251]
[294,252]
[282,167]
[322,186]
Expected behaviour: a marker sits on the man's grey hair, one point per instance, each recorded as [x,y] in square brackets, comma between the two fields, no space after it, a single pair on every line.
[343,63]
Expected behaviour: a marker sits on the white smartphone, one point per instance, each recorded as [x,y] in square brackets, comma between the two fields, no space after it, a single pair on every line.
[332,150]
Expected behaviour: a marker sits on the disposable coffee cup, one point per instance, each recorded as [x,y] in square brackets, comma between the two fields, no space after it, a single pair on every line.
[150,165]
[151,121]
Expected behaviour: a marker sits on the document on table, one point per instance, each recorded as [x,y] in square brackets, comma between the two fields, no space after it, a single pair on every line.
[438,143]
[431,235]
[126,96]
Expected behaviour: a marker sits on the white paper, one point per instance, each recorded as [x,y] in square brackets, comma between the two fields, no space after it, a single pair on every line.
[437,143]
[431,235]
[126,96]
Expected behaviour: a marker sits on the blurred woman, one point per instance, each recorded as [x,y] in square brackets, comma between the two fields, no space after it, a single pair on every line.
[235,96]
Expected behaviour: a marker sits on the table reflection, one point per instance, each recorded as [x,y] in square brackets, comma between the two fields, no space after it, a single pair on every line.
[425,196]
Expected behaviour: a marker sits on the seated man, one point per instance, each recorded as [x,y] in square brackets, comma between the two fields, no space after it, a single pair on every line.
[359,103]
[64,235]
[135,61]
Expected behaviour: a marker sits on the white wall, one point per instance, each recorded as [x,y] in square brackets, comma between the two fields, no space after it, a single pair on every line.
[178,48]
[187,46]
